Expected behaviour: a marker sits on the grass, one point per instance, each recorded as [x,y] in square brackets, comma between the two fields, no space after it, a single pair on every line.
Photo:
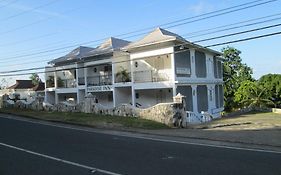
[93,120]
[251,121]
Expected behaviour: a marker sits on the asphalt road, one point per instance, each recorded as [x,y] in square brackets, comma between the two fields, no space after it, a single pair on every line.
[32,148]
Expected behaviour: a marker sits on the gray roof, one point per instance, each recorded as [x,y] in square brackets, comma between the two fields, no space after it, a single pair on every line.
[75,54]
[110,45]
[159,35]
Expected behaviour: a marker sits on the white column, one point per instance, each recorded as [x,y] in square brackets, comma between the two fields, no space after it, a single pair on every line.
[113,73]
[211,97]
[85,79]
[78,96]
[114,98]
[133,96]
[194,98]
[192,58]
[173,73]
[173,67]
[55,79]
[77,75]
[56,98]
[132,70]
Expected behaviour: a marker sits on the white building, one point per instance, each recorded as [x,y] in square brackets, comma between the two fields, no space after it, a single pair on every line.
[142,73]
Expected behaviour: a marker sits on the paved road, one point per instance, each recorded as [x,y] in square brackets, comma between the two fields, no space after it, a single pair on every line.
[32,148]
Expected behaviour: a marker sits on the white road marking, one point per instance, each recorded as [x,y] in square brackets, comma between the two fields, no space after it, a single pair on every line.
[92,169]
[142,137]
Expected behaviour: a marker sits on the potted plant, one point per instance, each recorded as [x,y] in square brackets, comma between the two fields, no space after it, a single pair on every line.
[123,75]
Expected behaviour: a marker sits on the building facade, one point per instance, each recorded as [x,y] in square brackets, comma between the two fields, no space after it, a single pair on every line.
[142,73]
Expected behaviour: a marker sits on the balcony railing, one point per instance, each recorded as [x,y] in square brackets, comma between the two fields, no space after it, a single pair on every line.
[150,76]
[123,77]
[66,83]
[99,80]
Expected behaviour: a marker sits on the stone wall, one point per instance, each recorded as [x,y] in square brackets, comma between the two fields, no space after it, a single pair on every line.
[171,114]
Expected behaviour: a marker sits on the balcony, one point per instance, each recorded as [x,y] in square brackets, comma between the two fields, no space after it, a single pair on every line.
[150,76]
[50,82]
[66,83]
[123,77]
[99,80]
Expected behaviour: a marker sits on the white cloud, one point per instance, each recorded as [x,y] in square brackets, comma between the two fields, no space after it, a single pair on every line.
[201,7]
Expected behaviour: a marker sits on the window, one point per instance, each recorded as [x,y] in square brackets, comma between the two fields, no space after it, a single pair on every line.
[219,96]
[200,64]
[137,95]
[183,64]
[110,97]
[202,98]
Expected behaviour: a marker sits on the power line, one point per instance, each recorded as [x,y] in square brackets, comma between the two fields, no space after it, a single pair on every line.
[189,18]
[231,28]
[238,33]
[27,11]
[217,44]
[29,39]
[37,22]
[235,10]
[65,47]
[7,4]
[225,29]
[207,39]
[227,25]
[245,39]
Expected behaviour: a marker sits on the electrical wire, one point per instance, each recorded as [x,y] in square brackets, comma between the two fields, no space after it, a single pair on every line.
[89,42]
[207,39]
[217,44]
[28,11]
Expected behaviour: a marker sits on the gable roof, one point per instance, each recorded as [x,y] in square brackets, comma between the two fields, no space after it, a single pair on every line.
[75,54]
[160,35]
[27,84]
[110,45]
[22,84]
[157,36]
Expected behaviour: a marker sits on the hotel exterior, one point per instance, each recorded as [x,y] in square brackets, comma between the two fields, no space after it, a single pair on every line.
[143,73]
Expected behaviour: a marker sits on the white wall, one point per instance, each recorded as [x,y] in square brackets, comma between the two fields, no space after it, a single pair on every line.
[104,98]
[123,95]
[151,97]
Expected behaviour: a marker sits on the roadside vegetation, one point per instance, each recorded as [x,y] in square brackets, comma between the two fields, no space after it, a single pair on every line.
[93,120]
[242,90]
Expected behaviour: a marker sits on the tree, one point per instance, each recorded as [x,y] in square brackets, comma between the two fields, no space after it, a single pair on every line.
[235,72]
[35,79]
[272,84]
[251,94]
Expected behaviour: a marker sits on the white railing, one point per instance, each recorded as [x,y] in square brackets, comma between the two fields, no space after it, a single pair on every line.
[192,117]
[150,76]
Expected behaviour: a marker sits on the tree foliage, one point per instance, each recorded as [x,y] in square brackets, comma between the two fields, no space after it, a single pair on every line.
[272,84]
[235,72]
[251,94]
[35,79]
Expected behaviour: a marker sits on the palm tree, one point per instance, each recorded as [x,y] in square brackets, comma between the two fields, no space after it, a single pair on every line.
[257,98]
[123,75]
[35,79]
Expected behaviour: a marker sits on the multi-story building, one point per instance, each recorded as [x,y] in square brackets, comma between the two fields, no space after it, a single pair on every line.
[142,73]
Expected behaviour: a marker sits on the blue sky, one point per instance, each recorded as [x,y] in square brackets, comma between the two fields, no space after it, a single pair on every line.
[27,29]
